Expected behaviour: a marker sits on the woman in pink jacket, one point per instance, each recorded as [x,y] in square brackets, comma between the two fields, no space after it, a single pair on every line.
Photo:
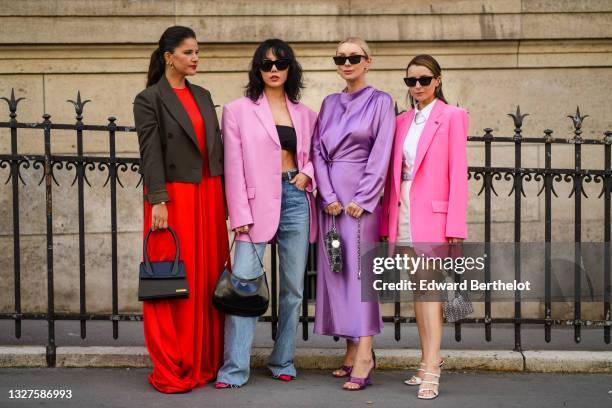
[425,199]
[269,181]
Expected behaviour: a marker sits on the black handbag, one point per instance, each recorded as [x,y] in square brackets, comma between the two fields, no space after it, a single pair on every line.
[163,279]
[242,297]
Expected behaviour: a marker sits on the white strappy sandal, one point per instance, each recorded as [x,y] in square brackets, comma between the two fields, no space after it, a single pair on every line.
[414,380]
[434,391]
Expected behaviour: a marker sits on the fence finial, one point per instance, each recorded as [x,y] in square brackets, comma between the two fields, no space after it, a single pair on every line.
[518,120]
[12,103]
[548,135]
[78,106]
[577,120]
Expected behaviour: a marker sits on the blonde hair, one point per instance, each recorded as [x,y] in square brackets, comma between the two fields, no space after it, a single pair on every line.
[357,41]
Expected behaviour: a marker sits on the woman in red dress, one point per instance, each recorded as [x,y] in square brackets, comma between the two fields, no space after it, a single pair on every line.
[182,162]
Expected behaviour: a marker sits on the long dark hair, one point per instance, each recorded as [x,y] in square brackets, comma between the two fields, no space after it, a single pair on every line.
[280,49]
[430,63]
[170,39]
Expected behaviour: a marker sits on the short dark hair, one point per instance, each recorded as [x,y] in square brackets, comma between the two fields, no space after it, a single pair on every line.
[280,49]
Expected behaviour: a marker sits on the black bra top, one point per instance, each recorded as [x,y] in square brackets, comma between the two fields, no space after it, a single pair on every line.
[287,137]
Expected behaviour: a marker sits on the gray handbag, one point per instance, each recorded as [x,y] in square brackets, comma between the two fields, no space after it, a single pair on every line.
[457,308]
[333,246]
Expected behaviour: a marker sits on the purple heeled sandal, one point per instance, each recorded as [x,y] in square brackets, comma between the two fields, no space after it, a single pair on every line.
[346,369]
[362,383]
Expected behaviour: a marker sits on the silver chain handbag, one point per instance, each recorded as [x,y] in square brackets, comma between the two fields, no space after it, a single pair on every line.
[333,245]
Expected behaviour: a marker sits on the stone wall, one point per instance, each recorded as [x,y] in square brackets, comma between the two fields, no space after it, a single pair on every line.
[547,56]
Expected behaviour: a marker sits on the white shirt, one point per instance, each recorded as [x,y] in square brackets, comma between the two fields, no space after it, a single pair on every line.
[414,134]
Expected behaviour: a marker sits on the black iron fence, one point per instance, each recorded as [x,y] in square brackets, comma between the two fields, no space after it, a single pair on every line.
[48,163]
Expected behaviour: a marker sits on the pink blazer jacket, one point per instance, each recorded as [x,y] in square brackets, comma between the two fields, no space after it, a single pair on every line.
[439,191]
[252,164]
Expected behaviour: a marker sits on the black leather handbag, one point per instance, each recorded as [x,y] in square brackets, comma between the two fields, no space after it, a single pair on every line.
[242,297]
[164,279]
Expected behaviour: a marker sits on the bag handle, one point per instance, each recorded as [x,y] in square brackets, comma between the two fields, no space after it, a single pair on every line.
[254,249]
[148,267]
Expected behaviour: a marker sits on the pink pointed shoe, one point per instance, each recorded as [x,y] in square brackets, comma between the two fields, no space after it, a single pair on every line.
[284,377]
[222,386]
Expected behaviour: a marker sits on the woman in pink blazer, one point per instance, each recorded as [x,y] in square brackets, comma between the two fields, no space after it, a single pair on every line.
[268,184]
[425,199]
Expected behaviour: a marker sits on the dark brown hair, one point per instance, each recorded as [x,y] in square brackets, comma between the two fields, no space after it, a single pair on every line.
[170,39]
[431,64]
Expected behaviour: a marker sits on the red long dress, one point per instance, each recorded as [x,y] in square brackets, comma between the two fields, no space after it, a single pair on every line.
[184,337]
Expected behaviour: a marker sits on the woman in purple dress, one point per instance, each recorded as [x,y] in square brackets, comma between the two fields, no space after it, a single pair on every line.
[351,149]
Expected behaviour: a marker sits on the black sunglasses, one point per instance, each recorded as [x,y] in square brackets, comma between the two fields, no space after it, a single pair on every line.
[424,81]
[280,64]
[353,59]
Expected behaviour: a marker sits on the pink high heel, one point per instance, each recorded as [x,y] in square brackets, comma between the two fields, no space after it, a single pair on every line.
[283,377]
[221,385]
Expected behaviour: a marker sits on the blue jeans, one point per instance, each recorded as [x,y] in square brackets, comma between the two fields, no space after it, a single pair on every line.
[292,237]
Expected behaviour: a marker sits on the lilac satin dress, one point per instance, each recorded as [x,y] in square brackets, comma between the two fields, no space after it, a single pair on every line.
[351,150]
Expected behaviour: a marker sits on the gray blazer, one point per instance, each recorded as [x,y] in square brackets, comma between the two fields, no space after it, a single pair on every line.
[169,149]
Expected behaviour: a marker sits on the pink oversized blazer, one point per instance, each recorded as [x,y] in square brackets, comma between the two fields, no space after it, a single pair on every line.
[439,191]
[252,164]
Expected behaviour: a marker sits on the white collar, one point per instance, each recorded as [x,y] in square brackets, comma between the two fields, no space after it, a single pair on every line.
[426,110]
